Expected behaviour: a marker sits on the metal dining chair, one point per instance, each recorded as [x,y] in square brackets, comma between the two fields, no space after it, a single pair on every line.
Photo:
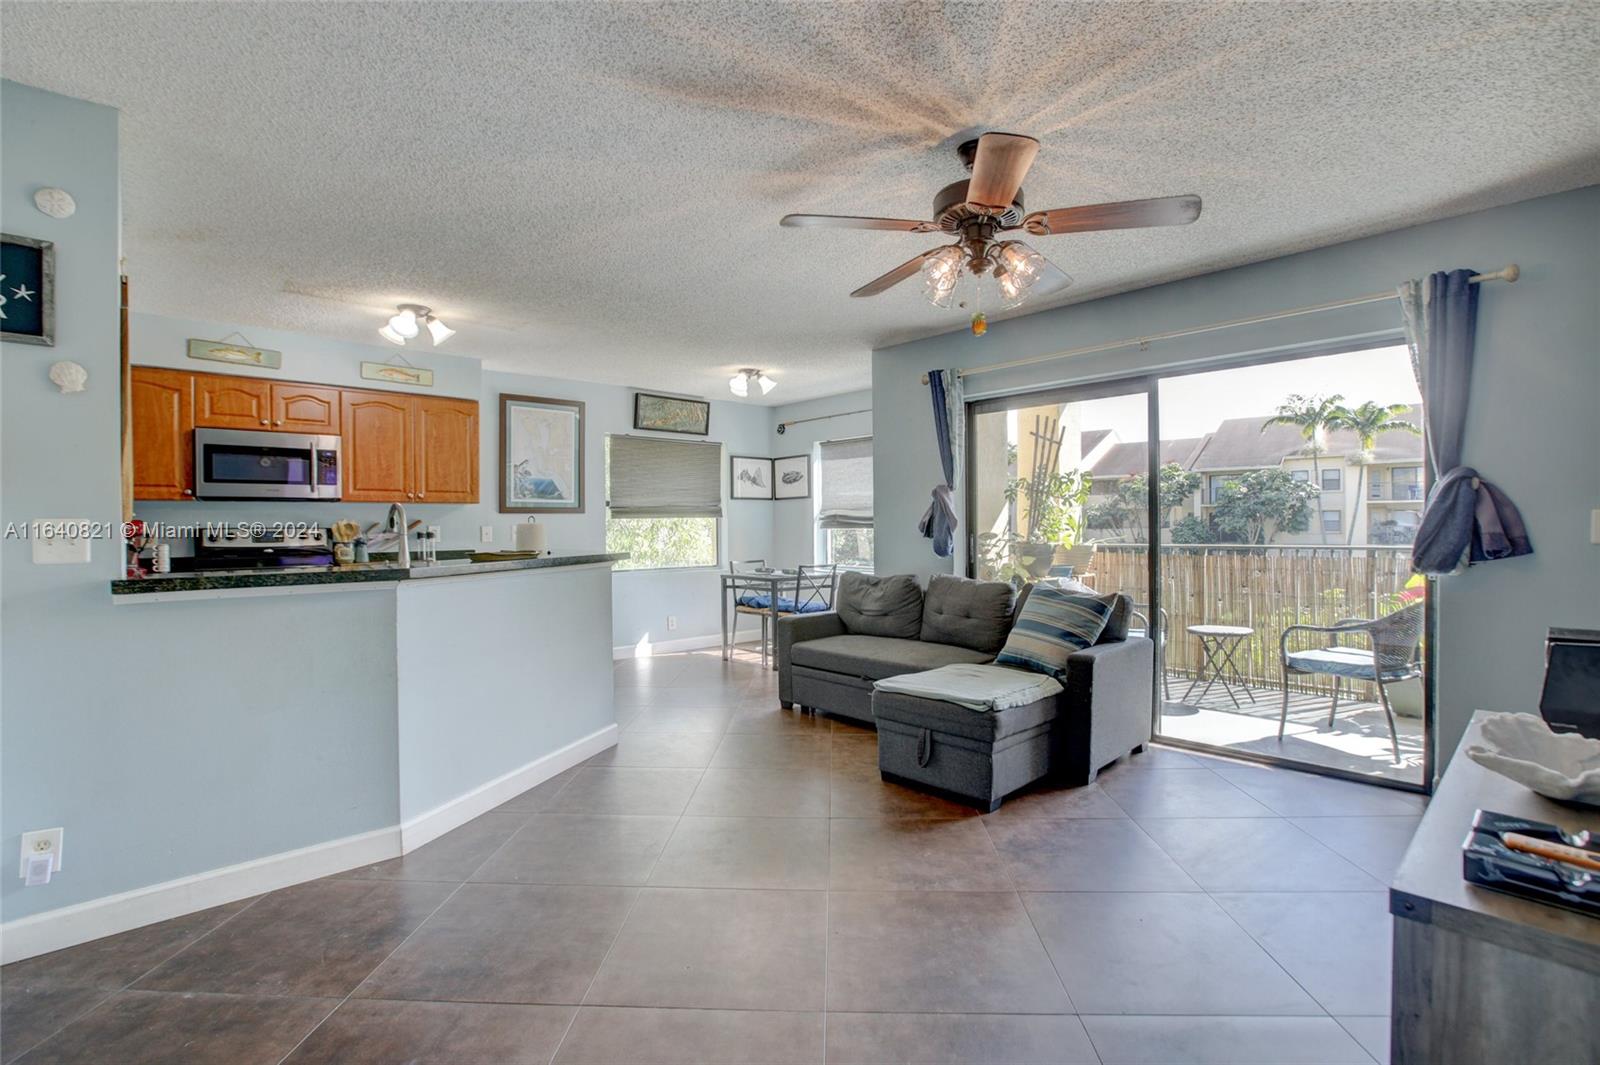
[1393,654]
[1140,626]
[813,594]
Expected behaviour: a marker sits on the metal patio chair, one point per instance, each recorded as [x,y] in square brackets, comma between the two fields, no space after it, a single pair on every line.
[1393,654]
[1140,626]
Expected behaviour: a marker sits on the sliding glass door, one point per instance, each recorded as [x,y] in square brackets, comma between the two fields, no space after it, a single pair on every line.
[1281,499]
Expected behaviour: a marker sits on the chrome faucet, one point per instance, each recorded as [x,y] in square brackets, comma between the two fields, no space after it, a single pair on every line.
[397,523]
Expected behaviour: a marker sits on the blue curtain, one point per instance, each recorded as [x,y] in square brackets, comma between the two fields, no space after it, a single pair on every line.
[939,520]
[1466,519]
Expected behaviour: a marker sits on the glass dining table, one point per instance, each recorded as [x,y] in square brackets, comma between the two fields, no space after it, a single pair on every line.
[770,587]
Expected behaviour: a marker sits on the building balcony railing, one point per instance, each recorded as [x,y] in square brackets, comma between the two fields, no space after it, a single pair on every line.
[1395,493]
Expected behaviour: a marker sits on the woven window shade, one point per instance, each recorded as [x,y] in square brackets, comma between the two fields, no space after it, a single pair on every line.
[653,478]
[846,470]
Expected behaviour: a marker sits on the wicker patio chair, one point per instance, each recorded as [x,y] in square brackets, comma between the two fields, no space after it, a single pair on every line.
[1392,654]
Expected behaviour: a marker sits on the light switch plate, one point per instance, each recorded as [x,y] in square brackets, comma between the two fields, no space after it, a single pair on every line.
[1594,526]
[51,548]
[486,534]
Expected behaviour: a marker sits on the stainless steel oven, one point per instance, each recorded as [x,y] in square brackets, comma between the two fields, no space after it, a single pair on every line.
[242,464]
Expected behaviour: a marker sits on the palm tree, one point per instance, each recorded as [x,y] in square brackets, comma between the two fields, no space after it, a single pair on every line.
[1313,416]
[1367,422]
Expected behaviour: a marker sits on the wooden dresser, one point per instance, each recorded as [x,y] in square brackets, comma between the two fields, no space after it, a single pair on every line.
[1481,976]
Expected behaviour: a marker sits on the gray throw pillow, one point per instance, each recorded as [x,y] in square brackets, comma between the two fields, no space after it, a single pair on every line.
[967,613]
[880,606]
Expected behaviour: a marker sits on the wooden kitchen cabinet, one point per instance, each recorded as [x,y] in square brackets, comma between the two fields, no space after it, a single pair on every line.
[163,433]
[230,402]
[301,408]
[379,446]
[446,436]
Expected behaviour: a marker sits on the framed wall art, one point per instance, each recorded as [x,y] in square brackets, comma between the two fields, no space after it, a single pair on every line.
[541,455]
[237,354]
[27,290]
[671,414]
[791,477]
[750,478]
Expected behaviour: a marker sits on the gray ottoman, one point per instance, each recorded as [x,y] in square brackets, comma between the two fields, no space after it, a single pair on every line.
[975,757]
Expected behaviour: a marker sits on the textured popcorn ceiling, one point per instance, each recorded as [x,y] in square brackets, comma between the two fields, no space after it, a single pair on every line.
[593,190]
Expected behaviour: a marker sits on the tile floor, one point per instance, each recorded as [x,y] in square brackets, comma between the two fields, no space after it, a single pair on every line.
[733,883]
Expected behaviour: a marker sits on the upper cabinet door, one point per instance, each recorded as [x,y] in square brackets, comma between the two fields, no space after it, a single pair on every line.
[305,409]
[447,450]
[224,402]
[379,446]
[163,433]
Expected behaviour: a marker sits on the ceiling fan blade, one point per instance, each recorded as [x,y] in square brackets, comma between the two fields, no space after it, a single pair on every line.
[998,169]
[850,221]
[895,276]
[1127,214]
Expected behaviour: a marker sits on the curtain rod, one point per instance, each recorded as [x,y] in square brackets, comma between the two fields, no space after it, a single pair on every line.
[1509,273]
[824,417]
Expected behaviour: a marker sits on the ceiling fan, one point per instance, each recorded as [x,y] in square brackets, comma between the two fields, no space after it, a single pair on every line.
[989,203]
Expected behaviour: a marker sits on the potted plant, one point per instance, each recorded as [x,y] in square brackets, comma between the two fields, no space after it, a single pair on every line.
[1054,516]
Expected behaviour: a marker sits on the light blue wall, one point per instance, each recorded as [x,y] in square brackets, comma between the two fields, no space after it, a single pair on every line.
[1531,425]
[794,530]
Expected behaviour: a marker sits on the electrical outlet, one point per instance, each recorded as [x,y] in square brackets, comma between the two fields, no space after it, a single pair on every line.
[486,534]
[672,622]
[44,841]
[433,531]
[58,542]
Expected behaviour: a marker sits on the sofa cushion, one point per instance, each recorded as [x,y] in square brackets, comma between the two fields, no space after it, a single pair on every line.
[880,606]
[1053,626]
[877,657]
[967,613]
[1121,610]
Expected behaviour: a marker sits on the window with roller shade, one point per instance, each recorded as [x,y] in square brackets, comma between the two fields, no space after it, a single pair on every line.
[663,499]
[845,501]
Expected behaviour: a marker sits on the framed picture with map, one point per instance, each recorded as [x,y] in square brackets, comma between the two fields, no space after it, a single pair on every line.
[541,455]
[671,414]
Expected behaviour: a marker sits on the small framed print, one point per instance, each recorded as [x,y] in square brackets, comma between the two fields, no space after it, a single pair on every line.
[750,478]
[791,477]
[27,290]
[671,414]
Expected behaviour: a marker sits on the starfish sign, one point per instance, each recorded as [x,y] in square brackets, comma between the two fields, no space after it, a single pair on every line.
[23,292]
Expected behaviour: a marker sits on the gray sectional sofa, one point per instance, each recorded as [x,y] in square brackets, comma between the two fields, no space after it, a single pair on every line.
[885,626]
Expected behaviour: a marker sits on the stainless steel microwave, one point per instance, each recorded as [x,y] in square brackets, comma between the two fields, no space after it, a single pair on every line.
[243,464]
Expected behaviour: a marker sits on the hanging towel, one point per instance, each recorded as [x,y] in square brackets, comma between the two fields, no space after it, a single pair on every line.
[1467,521]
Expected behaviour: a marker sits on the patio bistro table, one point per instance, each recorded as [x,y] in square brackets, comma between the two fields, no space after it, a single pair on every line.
[763,582]
[1218,644]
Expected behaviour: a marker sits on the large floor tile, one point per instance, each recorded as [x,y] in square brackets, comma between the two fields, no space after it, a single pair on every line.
[615,1035]
[714,949]
[771,718]
[1376,844]
[506,943]
[1372,1033]
[1049,802]
[957,1039]
[1294,794]
[1250,854]
[579,849]
[1180,793]
[755,791]
[32,1014]
[746,852]
[370,1032]
[1086,854]
[1223,1041]
[937,952]
[658,718]
[626,790]
[660,750]
[135,1027]
[914,854]
[314,939]
[451,858]
[1151,953]
[1337,944]
[859,791]
[778,750]
[539,797]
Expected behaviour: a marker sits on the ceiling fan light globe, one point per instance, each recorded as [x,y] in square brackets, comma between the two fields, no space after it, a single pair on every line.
[767,384]
[739,385]
[405,324]
[388,333]
[439,331]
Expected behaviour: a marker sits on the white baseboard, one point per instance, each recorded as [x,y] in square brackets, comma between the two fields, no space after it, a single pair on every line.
[68,926]
[429,826]
[667,647]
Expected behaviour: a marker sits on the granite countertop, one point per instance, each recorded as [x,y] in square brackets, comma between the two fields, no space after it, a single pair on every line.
[359,573]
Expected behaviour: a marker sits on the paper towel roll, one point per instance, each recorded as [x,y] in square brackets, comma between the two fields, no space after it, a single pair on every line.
[530,537]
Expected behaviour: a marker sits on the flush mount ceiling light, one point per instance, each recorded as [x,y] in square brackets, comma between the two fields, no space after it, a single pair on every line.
[739,383]
[408,323]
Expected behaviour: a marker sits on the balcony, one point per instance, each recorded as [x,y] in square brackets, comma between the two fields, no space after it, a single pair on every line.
[1395,493]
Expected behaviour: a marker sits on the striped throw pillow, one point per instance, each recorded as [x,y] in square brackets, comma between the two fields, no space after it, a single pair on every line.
[1052,626]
